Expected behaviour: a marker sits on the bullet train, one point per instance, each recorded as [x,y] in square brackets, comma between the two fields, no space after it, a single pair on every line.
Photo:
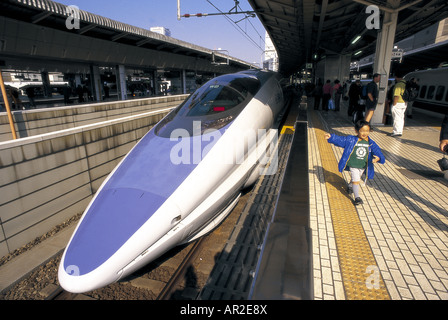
[433,91]
[179,181]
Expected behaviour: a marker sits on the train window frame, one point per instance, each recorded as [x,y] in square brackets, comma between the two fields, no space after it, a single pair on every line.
[431,90]
[439,94]
[245,86]
[214,99]
[422,94]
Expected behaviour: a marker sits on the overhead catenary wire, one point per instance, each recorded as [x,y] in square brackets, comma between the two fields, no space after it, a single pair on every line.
[238,28]
[253,26]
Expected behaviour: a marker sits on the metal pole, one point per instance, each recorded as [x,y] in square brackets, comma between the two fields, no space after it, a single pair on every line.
[8,109]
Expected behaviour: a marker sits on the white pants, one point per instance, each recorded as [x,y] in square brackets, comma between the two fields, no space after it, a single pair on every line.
[356,174]
[398,112]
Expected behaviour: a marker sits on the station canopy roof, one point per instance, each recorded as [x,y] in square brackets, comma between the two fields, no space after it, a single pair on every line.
[303,30]
[54,15]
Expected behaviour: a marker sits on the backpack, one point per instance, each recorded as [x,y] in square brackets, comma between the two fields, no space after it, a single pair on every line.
[405,95]
[408,94]
[411,92]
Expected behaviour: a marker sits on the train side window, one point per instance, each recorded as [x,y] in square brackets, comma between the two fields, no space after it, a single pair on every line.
[431,90]
[440,92]
[423,92]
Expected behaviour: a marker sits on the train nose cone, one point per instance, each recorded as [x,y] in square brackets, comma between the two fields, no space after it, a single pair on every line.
[114,216]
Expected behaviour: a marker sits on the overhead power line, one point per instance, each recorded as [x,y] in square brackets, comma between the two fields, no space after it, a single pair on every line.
[234,10]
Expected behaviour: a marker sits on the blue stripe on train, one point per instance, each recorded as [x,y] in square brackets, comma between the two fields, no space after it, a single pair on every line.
[137,189]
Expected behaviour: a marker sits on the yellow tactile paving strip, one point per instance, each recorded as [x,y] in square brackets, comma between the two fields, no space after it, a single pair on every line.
[360,273]
[287,130]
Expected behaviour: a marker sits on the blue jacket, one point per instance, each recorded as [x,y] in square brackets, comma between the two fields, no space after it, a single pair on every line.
[348,143]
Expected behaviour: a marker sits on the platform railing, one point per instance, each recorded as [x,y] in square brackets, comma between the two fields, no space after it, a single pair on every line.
[33,122]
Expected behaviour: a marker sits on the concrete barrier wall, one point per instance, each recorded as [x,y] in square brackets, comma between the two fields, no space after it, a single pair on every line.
[49,178]
[33,122]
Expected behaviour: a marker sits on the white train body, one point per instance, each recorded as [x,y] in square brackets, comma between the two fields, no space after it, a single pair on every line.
[433,91]
[179,182]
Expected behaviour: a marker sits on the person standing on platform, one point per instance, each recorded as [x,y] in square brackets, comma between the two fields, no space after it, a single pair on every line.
[327,95]
[413,89]
[359,155]
[107,91]
[372,96]
[337,93]
[354,93]
[317,93]
[444,135]
[67,92]
[80,93]
[398,104]
[30,93]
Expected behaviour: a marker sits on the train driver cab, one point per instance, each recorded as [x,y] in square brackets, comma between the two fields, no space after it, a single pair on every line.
[216,104]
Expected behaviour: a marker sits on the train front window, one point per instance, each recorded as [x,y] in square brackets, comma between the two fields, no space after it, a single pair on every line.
[214,99]
[214,105]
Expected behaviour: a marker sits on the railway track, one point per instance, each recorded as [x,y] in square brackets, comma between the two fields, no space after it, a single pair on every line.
[188,254]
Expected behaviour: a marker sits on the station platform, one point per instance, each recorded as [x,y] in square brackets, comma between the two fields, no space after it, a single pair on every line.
[395,245]
[392,247]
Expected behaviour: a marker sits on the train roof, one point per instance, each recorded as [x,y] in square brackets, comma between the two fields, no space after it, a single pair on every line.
[428,71]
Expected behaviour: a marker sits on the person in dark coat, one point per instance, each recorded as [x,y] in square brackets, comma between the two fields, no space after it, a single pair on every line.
[372,96]
[317,93]
[353,97]
[80,93]
[67,94]
[30,93]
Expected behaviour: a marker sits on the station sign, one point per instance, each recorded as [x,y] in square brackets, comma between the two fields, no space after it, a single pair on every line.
[397,54]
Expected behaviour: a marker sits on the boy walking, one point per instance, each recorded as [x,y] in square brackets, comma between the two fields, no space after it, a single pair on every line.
[360,153]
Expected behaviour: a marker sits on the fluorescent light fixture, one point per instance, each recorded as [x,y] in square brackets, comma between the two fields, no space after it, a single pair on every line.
[358,53]
[356,39]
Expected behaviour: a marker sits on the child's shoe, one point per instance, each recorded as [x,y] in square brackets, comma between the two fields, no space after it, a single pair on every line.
[358,201]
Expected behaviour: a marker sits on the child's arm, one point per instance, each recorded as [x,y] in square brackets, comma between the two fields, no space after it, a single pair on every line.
[377,155]
[336,140]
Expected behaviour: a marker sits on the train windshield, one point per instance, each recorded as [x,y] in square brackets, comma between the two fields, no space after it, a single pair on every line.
[215,104]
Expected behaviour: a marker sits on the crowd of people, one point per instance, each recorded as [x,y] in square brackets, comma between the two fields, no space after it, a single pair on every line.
[363,99]
[360,151]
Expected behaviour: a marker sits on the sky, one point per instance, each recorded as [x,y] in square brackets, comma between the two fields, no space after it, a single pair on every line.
[244,40]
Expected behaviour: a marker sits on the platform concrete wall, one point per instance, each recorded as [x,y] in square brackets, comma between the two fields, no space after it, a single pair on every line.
[33,122]
[49,178]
